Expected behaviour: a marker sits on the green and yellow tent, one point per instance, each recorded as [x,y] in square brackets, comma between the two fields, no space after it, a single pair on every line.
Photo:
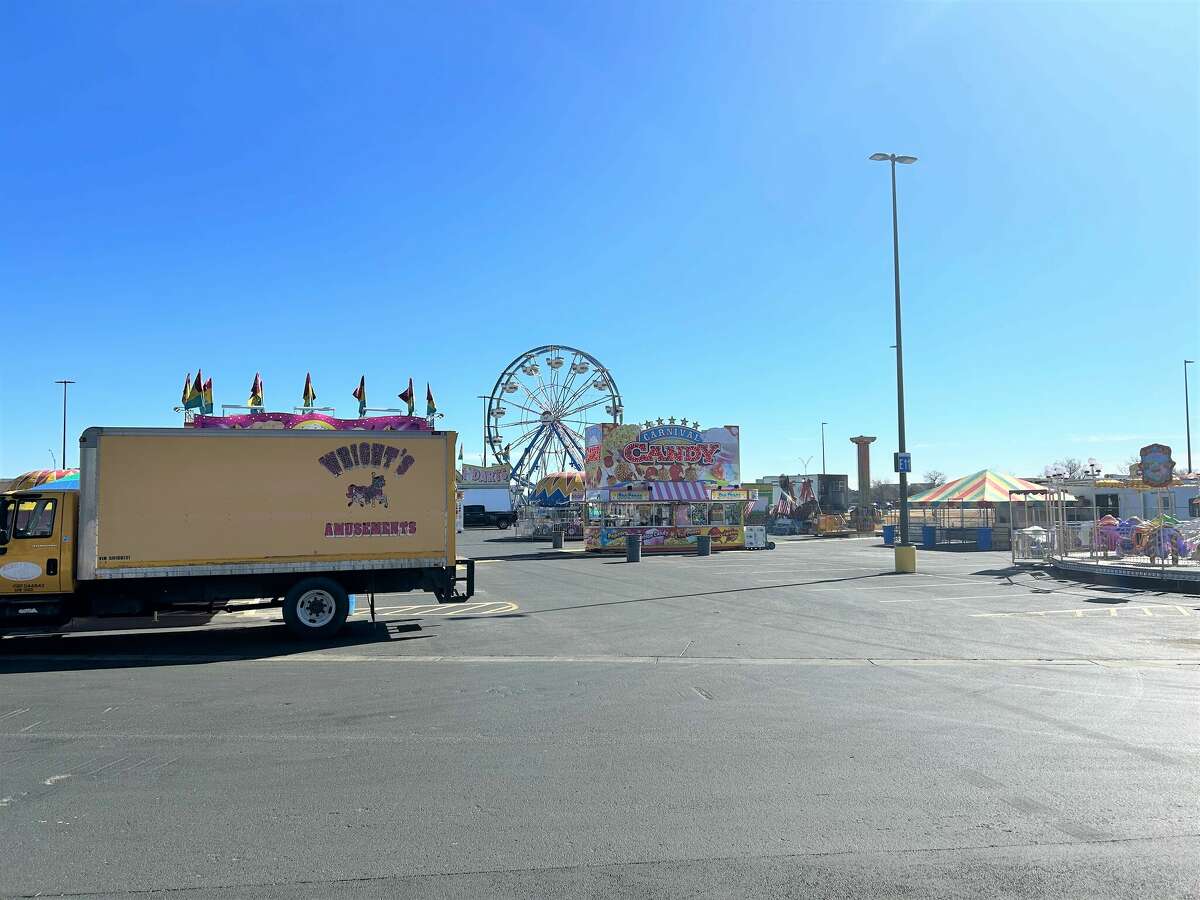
[985,486]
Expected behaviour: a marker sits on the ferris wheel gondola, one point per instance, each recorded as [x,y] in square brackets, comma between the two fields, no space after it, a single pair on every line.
[540,407]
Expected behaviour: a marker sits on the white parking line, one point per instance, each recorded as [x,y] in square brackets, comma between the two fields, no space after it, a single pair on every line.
[488,608]
[1110,612]
[968,597]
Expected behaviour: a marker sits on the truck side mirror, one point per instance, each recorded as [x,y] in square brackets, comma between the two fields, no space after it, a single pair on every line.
[4,537]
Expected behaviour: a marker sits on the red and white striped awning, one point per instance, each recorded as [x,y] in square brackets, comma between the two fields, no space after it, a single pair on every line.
[678,490]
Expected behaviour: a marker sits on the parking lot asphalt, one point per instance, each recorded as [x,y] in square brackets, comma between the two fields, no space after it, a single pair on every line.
[793,722]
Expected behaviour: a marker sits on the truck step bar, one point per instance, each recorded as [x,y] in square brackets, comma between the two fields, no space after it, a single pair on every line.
[469,578]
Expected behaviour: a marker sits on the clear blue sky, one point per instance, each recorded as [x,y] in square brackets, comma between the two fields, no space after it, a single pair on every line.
[680,188]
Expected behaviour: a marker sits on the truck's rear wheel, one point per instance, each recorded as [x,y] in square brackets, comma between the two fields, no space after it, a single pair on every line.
[316,607]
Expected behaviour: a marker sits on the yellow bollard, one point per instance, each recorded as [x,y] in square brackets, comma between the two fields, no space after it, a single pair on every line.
[906,559]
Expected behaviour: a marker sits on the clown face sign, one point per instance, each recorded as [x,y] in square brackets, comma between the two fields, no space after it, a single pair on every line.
[1157,466]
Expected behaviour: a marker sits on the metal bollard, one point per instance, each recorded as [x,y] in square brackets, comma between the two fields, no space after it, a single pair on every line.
[704,545]
[558,539]
[633,548]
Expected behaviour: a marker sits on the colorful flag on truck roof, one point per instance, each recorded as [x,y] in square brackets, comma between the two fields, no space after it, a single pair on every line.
[256,392]
[187,390]
[430,403]
[407,396]
[196,399]
[360,394]
[207,408]
[310,395]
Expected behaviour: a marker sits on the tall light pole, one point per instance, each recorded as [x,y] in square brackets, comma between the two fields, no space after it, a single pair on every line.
[484,398]
[64,382]
[1187,410]
[892,158]
[823,424]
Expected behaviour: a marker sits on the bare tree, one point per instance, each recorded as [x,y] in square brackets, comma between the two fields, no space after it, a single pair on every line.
[934,478]
[1070,465]
[882,491]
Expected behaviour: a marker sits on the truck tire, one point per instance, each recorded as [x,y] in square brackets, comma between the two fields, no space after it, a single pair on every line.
[503,523]
[316,608]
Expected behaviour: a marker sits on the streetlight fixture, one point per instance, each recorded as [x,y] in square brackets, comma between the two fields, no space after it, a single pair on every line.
[1187,410]
[902,551]
[823,424]
[64,382]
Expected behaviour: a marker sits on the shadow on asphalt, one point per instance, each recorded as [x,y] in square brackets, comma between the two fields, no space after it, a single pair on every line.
[741,590]
[107,650]
[537,554]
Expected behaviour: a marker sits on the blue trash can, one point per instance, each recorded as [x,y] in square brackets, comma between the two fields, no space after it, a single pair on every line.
[983,539]
[928,536]
[889,535]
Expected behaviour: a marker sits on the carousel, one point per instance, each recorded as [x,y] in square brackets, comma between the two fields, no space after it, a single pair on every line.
[555,504]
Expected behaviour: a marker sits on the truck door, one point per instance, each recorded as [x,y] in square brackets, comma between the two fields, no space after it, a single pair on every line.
[31,544]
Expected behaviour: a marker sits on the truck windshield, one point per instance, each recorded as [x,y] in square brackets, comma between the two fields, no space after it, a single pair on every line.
[31,518]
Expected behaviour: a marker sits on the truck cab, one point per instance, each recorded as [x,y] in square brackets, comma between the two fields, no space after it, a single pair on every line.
[37,556]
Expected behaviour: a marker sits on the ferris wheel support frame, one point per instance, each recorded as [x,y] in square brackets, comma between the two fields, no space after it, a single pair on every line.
[551,406]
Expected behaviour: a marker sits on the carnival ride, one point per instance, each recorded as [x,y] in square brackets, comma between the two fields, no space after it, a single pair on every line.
[555,504]
[1163,546]
[539,408]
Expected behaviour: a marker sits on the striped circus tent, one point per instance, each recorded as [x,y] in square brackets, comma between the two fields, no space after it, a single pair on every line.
[556,489]
[986,486]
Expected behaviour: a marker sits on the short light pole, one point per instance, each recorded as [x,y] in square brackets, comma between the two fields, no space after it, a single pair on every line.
[823,424]
[1187,410]
[64,382]
[892,158]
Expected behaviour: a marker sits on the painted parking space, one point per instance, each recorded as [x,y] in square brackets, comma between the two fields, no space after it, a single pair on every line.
[443,610]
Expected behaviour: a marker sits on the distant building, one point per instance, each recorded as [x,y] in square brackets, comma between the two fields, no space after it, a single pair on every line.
[1124,497]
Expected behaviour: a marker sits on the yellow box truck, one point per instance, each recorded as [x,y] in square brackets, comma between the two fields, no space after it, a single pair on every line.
[176,517]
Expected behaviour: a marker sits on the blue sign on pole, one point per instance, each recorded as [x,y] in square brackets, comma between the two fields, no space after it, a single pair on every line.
[902,462]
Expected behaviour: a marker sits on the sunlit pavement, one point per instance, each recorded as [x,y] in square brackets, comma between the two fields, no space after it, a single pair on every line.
[788,722]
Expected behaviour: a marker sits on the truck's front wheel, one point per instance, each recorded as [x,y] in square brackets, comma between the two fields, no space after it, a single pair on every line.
[316,607]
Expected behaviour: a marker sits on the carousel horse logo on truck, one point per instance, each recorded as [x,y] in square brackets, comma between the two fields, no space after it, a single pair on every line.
[376,457]
[367,494]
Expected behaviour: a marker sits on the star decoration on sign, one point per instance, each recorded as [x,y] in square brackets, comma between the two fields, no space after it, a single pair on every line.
[660,421]
[671,419]
[649,423]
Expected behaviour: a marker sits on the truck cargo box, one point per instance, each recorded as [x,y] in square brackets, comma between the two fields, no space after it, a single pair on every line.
[171,502]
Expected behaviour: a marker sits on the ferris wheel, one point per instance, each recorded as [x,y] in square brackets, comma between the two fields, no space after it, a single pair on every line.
[541,405]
